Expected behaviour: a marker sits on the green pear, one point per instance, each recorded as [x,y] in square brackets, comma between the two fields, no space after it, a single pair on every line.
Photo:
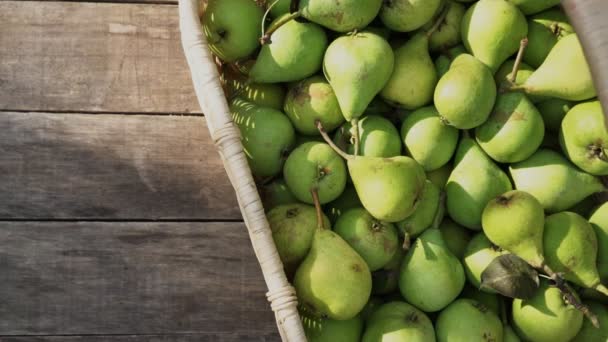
[333,281]
[491,301]
[357,66]
[440,176]
[414,76]
[296,52]
[534,6]
[425,212]
[431,276]
[564,74]
[378,137]
[389,188]
[315,165]
[544,30]
[546,317]
[474,181]
[428,139]
[293,227]
[372,305]
[399,321]
[584,138]
[347,200]
[375,241]
[478,255]
[447,34]
[599,222]
[553,112]
[408,15]
[506,69]
[266,134]
[330,330]
[590,333]
[280,8]
[492,31]
[303,139]
[265,95]
[232,28]
[310,100]
[571,248]
[514,130]
[276,193]
[386,280]
[444,61]
[553,180]
[465,95]
[468,320]
[340,16]
[515,221]
[509,334]
[456,237]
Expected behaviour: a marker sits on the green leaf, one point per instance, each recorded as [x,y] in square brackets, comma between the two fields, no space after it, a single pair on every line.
[510,276]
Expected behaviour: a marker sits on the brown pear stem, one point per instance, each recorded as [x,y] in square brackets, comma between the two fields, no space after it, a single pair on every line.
[407,242]
[520,55]
[440,211]
[354,122]
[331,143]
[439,21]
[315,199]
[265,39]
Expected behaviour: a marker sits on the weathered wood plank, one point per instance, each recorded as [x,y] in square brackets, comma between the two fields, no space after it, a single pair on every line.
[211,337]
[65,278]
[78,166]
[75,56]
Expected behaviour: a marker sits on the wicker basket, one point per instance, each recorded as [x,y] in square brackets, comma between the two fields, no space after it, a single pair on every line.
[589,17]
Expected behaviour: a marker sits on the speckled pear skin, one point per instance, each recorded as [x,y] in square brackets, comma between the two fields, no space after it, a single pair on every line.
[340,16]
[599,222]
[399,321]
[468,320]
[408,15]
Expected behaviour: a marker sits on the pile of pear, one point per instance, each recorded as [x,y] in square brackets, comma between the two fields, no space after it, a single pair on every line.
[402,146]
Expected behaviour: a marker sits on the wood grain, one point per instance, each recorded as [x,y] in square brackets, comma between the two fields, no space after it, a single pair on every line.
[107,57]
[73,166]
[211,337]
[64,278]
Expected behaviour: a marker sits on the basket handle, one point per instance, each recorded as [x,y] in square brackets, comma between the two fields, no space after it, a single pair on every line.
[590,21]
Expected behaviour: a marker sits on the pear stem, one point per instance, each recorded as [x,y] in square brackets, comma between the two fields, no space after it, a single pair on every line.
[520,55]
[439,21]
[265,39]
[355,133]
[407,241]
[331,143]
[315,199]
[440,211]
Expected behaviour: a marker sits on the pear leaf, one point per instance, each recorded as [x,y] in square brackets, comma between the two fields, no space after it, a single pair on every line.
[510,276]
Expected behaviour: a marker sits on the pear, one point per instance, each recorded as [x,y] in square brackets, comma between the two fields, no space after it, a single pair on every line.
[456,237]
[465,95]
[546,317]
[357,66]
[303,139]
[372,305]
[474,181]
[586,206]
[492,31]
[347,200]
[330,330]
[424,215]
[408,15]
[431,276]
[491,301]
[478,255]
[444,61]
[296,52]
[232,27]
[414,76]
[506,70]
[427,139]
[310,100]
[280,8]
[514,221]
[375,241]
[293,227]
[440,176]
[534,6]
[399,321]
[340,16]
[514,130]
[564,74]
[276,193]
[509,334]
[553,112]
[468,320]
[315,165]
[266,134]
[386,280]
[544,30]
[447,34]
[590,333]
[333,281]
[584,138]
[378,137]
[599,222]
[571,248]
[553,180]
[265,95]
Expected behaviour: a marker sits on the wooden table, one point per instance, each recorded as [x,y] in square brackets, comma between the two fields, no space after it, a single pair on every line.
[117,220]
